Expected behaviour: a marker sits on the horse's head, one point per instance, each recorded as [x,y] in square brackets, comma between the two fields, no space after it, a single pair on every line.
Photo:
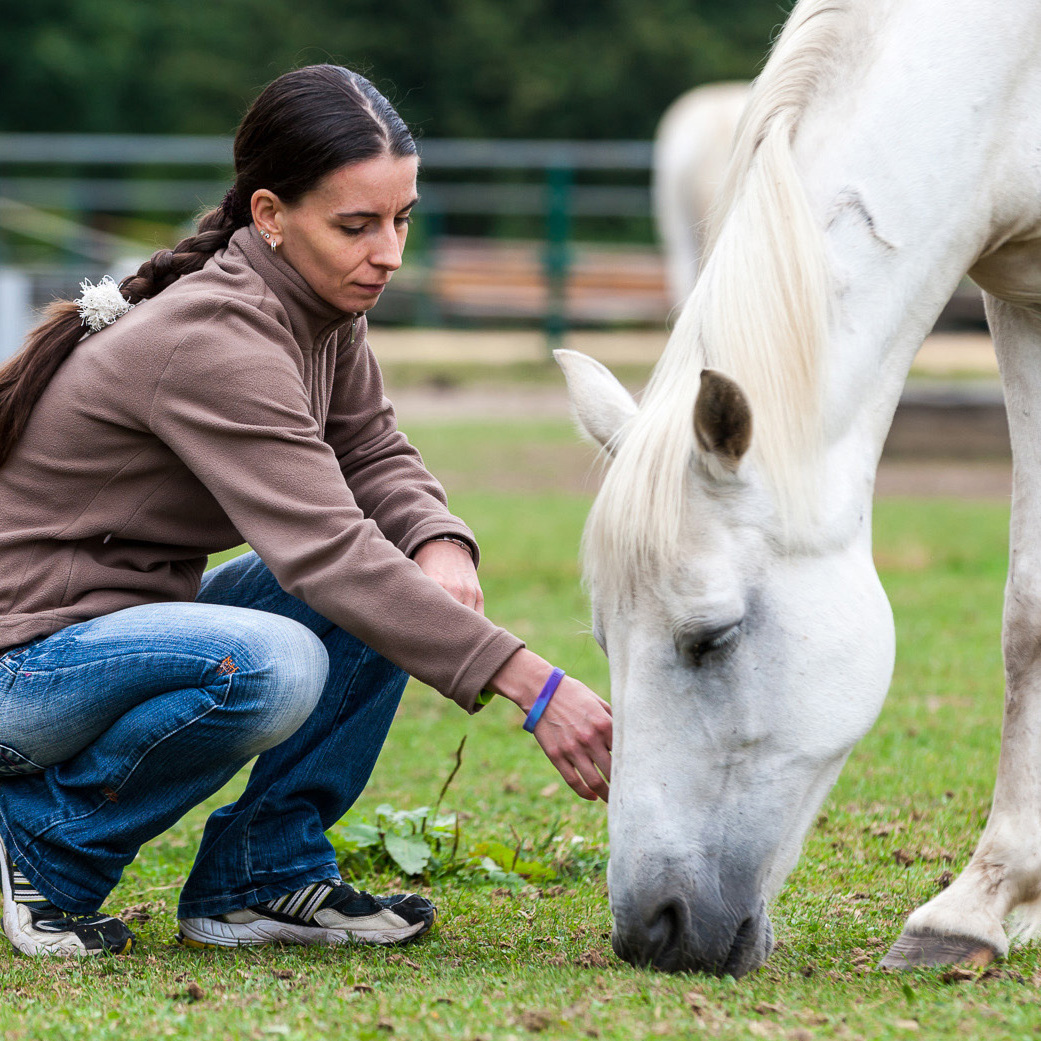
[742,673]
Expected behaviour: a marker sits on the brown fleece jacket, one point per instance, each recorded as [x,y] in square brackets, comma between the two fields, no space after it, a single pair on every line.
[235,406]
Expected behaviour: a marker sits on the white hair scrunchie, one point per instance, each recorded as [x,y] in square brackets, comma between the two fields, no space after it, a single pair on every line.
[100,305]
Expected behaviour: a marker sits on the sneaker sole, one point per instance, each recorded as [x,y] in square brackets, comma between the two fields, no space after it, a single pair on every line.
[14,927]
[210,934]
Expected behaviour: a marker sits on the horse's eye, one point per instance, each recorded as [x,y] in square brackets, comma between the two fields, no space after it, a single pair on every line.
[694,647]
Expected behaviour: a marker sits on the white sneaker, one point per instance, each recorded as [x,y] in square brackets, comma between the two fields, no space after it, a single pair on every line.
[329,912]
[35,926]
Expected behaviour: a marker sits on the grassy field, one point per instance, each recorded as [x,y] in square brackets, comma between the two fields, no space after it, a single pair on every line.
[512,962]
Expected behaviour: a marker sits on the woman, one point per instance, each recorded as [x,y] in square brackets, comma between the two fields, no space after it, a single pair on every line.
[236,401]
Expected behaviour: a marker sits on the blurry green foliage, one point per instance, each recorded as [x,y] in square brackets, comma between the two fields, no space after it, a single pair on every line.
[455,68]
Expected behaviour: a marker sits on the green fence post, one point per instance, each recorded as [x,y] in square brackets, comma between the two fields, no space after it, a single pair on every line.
[428,311]
[556,261]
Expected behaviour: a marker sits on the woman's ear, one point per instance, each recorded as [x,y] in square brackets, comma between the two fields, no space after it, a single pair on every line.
[267,209]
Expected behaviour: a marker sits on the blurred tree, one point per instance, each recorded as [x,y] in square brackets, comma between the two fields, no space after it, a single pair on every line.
[476,68]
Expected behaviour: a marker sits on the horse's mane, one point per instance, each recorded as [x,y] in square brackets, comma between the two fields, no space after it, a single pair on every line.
[758,313]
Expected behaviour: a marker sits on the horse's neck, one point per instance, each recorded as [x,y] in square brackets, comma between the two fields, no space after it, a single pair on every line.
[915,164]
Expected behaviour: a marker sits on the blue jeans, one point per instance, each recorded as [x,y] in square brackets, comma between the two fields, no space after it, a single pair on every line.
[111,729]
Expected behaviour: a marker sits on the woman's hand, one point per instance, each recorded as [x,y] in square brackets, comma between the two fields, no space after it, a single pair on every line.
[452,568]
[575,729]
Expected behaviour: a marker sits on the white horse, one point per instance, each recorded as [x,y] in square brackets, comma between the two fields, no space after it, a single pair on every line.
[889,146]
[692,147]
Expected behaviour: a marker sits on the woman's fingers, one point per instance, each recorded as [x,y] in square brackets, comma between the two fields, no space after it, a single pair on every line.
[593,779]
[582,776]
[601,757]
[595,736]
[576,782]
[461,591]
[470,594]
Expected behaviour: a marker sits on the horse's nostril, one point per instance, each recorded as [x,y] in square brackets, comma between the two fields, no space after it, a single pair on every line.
[679,937]
[665,931]
[743,939]
[664,943]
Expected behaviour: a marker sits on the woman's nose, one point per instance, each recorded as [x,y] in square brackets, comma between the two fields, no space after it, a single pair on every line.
[386,252]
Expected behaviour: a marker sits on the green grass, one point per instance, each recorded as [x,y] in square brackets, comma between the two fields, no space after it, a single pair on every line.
[505,964]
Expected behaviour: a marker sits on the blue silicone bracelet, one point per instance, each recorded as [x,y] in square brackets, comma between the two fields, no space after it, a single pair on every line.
[549,688]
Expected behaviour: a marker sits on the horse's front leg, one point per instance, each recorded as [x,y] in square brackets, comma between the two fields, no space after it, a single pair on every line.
[964,923]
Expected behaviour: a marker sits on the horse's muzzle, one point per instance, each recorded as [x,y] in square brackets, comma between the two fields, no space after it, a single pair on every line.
[680,933]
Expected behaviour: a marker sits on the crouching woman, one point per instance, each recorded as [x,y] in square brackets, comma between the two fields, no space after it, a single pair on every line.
[226,393]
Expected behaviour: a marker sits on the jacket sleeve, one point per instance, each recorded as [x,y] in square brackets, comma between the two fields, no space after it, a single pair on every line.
[384,471]
[231,404]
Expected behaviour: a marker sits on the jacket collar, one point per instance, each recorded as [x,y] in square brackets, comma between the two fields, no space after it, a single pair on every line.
[310,317]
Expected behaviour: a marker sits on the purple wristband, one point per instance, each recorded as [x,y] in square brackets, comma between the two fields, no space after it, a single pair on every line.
[549,688]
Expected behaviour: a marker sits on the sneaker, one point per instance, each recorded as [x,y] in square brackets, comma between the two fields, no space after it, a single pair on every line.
[35,926]
[330,912]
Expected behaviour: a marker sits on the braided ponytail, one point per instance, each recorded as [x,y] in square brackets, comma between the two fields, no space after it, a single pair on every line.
[303,126]
[165,266]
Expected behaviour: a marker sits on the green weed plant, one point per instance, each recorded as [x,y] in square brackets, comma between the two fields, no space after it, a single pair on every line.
[426,844]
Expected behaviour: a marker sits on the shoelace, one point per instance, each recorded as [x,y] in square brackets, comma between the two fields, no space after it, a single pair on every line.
[57,921]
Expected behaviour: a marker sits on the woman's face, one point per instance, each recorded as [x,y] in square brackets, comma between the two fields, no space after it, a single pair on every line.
[346,235]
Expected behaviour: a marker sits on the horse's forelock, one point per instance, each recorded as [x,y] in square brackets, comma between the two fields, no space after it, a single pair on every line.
[758,313]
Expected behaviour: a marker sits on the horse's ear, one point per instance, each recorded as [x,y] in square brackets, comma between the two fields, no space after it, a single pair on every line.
[722,419]
[601,404]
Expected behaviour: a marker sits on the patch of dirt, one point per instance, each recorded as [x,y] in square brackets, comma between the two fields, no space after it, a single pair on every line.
[425,404]
[942,355]
[573,468]
[954,448]
[945,478]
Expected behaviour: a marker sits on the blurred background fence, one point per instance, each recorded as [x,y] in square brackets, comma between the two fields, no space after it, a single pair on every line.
[556,233]
[534,122]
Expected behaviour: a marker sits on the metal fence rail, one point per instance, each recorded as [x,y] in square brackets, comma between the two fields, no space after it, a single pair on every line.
[81,175]
[86,194]
[442,153]
[148,190]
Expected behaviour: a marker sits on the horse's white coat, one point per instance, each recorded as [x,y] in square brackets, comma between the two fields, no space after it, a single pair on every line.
[692,146]
[916,144]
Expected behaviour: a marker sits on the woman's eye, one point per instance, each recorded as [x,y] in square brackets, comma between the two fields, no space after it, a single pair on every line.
[353,231]
[404,221]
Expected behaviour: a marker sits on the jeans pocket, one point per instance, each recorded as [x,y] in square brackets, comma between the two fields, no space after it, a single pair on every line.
[11,660]
[13,764]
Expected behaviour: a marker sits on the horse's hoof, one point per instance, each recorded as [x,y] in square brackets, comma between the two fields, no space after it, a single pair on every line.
[912,950]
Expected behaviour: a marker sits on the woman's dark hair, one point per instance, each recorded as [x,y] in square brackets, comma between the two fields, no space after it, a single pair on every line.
[304,125]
